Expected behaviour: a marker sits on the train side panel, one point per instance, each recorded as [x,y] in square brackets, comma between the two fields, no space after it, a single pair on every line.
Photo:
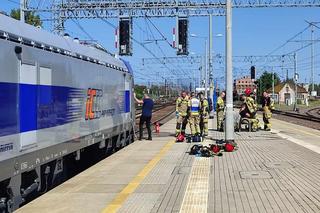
[52,99]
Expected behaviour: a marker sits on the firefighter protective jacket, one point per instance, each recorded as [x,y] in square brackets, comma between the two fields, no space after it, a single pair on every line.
[182,106]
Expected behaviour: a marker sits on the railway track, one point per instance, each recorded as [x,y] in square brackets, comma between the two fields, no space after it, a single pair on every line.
[307,116]
[315,112]
[160,113]
[156,108]
[309,119]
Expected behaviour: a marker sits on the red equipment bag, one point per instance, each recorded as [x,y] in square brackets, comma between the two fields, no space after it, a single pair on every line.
[180,138]
[215,148]
[228,147]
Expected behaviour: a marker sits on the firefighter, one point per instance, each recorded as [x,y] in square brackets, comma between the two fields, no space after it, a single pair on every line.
[194,114]
[267,106]
[182,113]
[252,108]
[204,114]
[220,111]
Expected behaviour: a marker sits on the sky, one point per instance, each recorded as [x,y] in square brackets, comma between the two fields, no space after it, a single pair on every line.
[256,32]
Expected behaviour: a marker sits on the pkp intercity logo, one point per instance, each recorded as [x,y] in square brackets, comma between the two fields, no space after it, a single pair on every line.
[92,102]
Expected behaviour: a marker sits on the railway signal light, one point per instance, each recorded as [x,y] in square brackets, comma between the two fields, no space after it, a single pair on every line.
[253,72]
[182,36]
[125,31]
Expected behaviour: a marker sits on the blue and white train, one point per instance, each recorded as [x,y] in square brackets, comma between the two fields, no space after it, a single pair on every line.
[57,98]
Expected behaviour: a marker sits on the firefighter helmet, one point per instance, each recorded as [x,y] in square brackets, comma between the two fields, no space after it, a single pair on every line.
[247,91]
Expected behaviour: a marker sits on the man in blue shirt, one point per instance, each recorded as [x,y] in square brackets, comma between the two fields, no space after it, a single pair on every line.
[147,106]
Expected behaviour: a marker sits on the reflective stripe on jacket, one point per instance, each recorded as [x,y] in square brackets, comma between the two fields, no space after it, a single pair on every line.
[195,106]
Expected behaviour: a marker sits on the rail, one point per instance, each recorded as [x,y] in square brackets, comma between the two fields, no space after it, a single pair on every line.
[315,112]
[299,116]
[160,114]
[156,108]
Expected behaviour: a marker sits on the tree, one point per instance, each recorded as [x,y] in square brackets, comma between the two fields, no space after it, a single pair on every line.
[31,17]
[317,88]
[139,90]
[265,82]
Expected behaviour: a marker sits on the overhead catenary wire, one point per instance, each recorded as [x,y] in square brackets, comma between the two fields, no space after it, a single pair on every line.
[290,39]
[304,46]
[161,50]
[135,40]
[82,29]
[165,38]
[138,42]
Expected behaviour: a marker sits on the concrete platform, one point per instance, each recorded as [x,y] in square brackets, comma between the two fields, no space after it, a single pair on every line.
[276,171]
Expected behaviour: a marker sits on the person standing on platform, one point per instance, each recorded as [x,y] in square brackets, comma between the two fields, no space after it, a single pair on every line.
[182,113]
[252,109]
[267,106]
[220,111]
[147,107]
[204,114]
[194,114]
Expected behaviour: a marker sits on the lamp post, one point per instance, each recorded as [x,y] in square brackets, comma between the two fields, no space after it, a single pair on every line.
[205,76]
[295,78]
[207,62]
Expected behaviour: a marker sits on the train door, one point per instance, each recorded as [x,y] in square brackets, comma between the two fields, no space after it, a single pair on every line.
[28,80]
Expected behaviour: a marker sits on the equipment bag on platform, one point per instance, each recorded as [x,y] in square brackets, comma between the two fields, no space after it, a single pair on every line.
[180,138]
[196,138]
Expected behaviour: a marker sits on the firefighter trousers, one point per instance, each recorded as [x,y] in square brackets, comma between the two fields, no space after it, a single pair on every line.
[220,117]
[194,121]
[204,124]
[266,118]
[255,123]
[181,124]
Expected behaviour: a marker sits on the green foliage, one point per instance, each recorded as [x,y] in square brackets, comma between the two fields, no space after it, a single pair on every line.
[139,90]
[265,82]
[31,17]
[316,88]
[155,91]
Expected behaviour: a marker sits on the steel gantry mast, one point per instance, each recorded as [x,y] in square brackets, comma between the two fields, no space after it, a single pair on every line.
[62,10]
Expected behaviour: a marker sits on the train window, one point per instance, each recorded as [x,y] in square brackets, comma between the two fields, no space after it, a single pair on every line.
[45,76]
[28,74]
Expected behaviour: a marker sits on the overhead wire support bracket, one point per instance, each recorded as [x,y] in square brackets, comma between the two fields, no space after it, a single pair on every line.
[220,59]
[62,10]
[160,8]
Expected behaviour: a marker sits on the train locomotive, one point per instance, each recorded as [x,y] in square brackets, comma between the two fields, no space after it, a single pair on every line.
[58,97]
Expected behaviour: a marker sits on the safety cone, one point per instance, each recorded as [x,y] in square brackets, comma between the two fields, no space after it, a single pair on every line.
[157,127]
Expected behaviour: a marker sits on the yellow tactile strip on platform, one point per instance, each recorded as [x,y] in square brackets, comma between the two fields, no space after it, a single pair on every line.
[196,195]
[121,197]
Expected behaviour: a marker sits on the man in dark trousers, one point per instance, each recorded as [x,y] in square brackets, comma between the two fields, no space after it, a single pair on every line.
[147,106]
